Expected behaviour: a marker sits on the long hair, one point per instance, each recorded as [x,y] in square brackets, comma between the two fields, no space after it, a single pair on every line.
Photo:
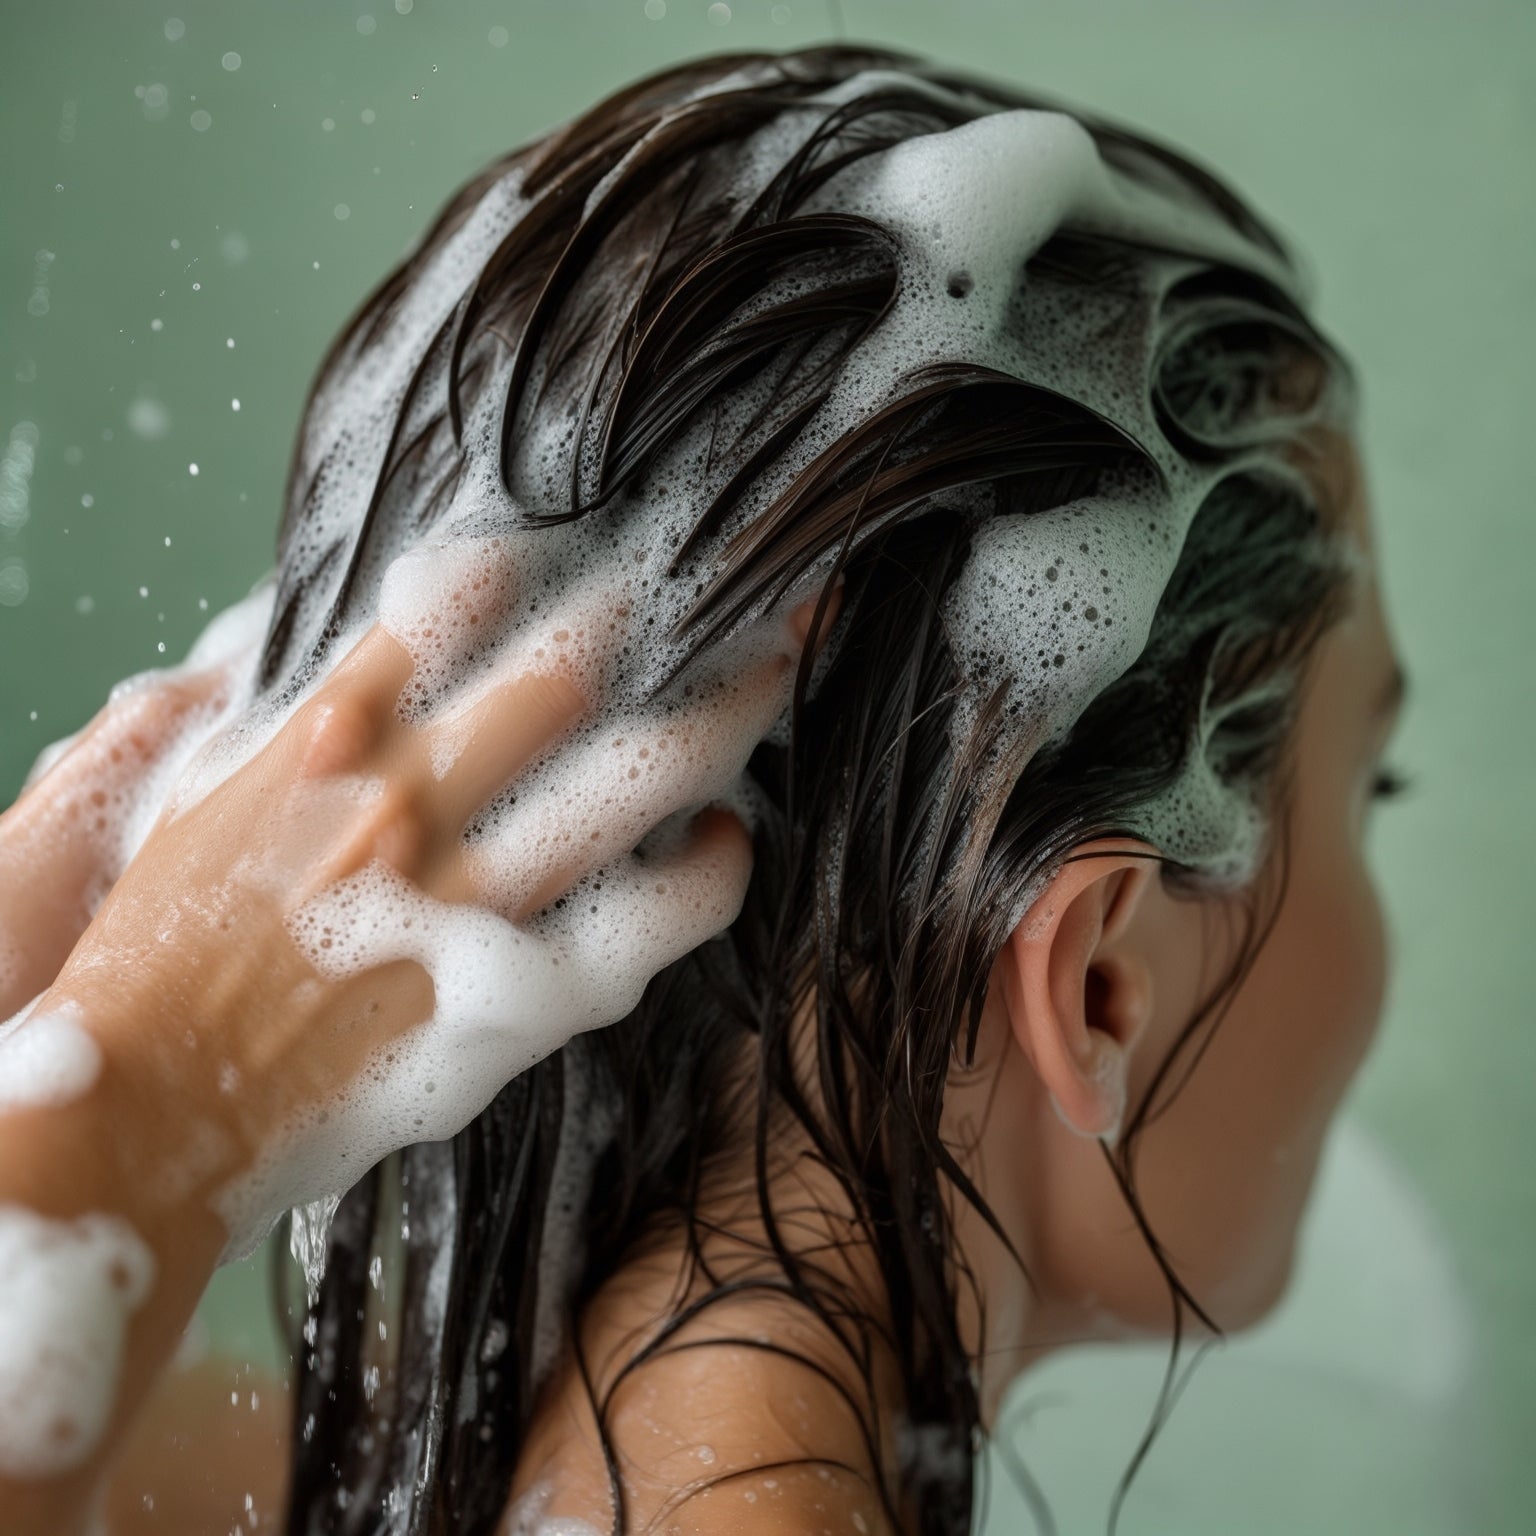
[899,833]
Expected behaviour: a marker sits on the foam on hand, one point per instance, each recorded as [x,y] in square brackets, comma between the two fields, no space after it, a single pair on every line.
[69,1288]
[123,792]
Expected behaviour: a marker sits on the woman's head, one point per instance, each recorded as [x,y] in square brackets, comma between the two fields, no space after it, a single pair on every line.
[1045,398]
[1093,990]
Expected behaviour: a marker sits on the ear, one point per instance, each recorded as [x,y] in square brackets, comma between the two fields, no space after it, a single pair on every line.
[1077,993]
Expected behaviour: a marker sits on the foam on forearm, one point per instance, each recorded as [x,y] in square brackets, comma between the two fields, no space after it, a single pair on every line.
[69,1288]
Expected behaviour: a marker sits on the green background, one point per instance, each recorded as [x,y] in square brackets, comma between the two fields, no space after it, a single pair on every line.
[157,205]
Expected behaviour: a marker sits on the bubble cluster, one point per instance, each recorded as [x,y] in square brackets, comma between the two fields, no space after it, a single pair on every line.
[69,1287]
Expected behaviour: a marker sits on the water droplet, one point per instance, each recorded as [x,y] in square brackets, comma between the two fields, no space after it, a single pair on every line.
[719,14]
[367,115]
[148,419]
[192,469]
[655,9]
[231,61]
[234,405]
[202,121]
[342,212]
[175,29]
[498,37]
[327,124]
[366,25]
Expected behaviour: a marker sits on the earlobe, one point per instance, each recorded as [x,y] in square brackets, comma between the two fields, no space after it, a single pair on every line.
[1077,992]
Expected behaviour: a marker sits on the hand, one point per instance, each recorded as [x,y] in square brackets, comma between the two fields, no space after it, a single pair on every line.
[310,965]
[69,834]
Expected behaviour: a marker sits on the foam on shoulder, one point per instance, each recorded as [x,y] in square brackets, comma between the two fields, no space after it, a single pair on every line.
[70,1287]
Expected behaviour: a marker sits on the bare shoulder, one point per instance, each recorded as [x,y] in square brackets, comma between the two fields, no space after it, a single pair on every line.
[772,1501]
[723,1440]
[209,1452]
[815,1500]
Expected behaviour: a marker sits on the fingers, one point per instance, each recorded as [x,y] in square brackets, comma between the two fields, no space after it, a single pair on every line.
[140,719]
[603,795]
[490,741]
[574,813]
[636,916]
[338,725]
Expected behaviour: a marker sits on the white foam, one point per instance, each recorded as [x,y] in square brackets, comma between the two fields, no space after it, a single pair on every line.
[122,792]
[506,995]
[69,1288]
[46,1058]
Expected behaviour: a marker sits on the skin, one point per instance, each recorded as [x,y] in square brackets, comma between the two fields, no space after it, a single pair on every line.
[188,970]
[1085,1001]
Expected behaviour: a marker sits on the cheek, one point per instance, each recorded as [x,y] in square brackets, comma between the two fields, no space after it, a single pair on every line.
[1228,1179]
[1302,1025]
[1340,951]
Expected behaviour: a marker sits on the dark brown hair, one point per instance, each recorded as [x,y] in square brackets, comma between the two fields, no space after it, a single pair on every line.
[892,853]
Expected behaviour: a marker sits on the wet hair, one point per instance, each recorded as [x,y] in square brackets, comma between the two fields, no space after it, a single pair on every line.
[890,858]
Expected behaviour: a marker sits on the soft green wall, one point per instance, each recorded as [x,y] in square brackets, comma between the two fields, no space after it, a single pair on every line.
[1393,139]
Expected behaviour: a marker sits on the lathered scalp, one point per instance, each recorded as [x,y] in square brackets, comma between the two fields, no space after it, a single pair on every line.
[1051,607]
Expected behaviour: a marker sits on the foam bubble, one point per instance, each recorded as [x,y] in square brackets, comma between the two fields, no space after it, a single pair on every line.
[46,1058]
[69,1287]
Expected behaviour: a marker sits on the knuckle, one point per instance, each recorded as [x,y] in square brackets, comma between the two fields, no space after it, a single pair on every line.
[396,827]
[338,733]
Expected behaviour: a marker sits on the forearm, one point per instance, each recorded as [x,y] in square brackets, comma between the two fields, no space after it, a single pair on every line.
[94,1310]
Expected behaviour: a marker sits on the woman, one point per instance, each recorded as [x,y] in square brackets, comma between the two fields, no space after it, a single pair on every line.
[820,467]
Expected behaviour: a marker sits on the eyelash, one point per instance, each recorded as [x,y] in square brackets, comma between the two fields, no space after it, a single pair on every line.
[1389,783]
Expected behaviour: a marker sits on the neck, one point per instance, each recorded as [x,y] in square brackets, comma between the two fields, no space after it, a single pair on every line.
[755,1386]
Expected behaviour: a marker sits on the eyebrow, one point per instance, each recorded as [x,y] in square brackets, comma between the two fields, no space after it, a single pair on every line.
[1394,695]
